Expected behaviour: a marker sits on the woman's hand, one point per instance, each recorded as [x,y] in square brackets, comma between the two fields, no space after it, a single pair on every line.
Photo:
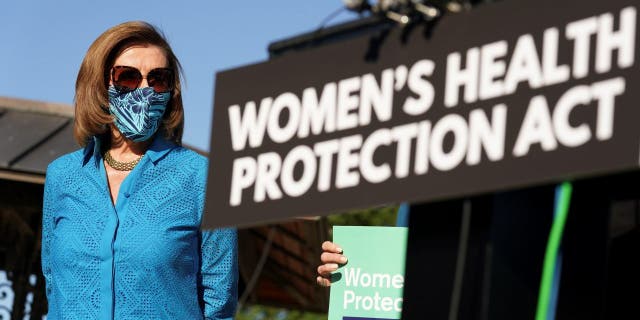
[331,258]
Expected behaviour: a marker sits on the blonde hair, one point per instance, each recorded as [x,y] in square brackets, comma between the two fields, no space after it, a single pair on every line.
[91,102]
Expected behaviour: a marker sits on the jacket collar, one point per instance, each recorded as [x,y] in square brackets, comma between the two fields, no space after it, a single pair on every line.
[157,150]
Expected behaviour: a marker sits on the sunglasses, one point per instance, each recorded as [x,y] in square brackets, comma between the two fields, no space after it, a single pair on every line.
[127,79]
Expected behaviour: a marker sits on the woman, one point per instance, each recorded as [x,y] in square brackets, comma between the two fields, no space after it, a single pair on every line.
[121,217]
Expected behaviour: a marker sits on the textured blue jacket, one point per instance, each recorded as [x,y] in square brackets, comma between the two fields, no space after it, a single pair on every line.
[145,257]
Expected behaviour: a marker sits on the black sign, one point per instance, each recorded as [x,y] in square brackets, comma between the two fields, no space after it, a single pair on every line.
[509,94]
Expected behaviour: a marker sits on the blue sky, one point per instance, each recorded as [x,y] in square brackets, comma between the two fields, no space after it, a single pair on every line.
[43,42]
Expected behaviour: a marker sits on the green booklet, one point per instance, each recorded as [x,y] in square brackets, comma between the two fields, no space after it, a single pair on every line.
[370,284]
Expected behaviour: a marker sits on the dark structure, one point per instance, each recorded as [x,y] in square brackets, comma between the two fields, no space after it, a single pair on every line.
[481,258]
[31,135]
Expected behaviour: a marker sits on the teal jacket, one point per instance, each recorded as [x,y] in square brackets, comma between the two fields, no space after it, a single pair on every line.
[145,257]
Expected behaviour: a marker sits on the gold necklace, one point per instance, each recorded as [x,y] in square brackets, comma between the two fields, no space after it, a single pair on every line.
[120,166]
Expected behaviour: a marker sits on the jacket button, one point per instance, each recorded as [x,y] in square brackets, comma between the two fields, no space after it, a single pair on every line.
[127,194]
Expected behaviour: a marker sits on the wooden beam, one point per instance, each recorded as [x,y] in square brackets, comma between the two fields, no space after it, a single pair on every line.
[22,177]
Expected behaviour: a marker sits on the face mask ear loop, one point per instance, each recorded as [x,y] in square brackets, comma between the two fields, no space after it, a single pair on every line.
[105,110]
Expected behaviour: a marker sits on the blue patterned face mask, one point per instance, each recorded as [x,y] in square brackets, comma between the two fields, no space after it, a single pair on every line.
[137,113]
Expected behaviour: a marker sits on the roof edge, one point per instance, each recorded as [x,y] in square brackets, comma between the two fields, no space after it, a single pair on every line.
[26,105]
[20,176]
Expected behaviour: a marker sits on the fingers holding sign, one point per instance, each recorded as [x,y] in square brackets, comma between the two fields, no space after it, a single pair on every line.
[331,258]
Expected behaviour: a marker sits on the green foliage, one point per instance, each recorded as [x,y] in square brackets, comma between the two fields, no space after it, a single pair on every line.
[379,216]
